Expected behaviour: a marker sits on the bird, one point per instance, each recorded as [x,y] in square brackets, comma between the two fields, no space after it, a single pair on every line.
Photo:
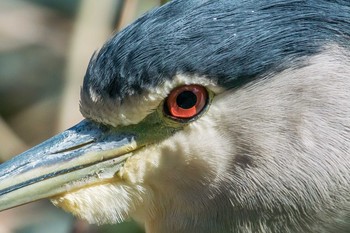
[207,116]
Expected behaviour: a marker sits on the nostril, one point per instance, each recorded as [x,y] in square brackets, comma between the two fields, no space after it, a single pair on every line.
[73,147]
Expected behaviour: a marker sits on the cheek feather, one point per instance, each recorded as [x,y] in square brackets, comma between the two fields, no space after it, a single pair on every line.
[101,204]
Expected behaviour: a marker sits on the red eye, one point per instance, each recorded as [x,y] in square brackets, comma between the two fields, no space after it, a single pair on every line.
[186,101]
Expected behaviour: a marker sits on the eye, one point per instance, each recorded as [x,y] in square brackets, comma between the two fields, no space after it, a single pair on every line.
[186,102]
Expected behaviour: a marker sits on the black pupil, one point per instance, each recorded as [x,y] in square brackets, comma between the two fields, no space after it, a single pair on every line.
[186,99]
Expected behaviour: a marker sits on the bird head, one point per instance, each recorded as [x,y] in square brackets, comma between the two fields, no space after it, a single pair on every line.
[207,116]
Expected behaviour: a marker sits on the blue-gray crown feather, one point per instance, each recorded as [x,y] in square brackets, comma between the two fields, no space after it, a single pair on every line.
[231,41]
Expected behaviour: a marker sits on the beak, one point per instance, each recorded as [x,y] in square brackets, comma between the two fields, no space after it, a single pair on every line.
[82,155]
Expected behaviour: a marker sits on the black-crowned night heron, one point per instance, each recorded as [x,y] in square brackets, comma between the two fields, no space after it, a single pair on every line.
[208,116]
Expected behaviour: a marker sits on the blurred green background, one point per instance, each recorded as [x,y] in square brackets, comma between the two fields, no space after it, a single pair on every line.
[45,46]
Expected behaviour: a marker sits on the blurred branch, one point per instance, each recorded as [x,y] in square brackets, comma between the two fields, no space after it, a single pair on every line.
[92,28]
[128,14]
[81,226]
[11,144]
